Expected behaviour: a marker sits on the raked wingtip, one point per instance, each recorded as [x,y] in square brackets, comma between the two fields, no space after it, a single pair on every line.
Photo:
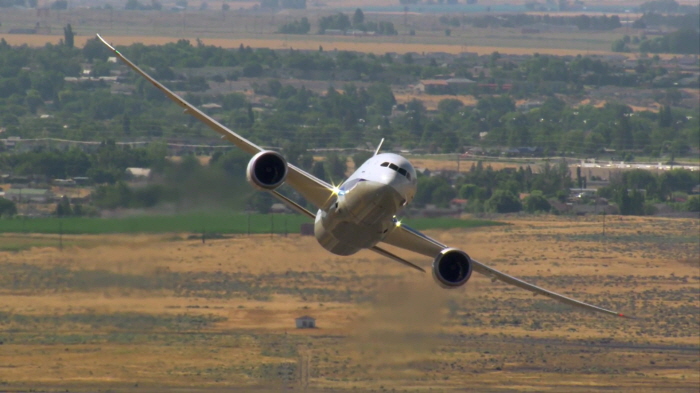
[105,42]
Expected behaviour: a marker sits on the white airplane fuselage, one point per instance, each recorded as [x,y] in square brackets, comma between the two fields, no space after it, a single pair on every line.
[366,204]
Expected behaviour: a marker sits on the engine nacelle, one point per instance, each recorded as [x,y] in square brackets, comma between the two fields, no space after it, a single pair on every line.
[452,268]
[267,170]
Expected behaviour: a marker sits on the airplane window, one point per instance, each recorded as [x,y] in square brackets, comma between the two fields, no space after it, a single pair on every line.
[385,164]
[394,167]
[402,171]
[408,176]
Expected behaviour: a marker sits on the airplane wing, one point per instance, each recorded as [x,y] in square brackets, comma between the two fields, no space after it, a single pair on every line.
[311,188]
[410,239]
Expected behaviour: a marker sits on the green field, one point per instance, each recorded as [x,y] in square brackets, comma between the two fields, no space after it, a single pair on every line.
[217,222]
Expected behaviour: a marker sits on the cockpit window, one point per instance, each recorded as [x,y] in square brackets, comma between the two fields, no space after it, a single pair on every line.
[395,167]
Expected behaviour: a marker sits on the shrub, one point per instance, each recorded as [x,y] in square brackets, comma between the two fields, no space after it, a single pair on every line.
[503,201]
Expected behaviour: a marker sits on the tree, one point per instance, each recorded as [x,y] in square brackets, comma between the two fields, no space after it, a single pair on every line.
[260,202]
[620,46]
[126,124]
[33,100]
[68,36]
[7,208]
[630,205]
[693,204]
[95,50]
[503,201]
[536,202]
[336,166]
[319,170]
[338,21]
[294,4]
[297,27]
[360,157]
[63,208]
[252,70]
[59,5]
[133,5]
[358,18]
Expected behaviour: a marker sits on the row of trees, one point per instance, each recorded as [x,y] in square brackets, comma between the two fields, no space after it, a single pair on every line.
[655,20]
[684,41]
[107,164]
[583,22]
[342,22]
[297,27]
[188,184]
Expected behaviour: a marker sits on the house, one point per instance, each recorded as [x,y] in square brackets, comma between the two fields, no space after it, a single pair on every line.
[526,106]
[11,141]
[458,204]
[138,172]
[442,86]
[305,322]
[212,107]
[64,182]
[432,86]
[279,208]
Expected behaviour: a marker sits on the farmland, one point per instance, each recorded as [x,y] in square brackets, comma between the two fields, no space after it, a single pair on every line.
[207,222]
[376,46]
[231,29]
[161,311]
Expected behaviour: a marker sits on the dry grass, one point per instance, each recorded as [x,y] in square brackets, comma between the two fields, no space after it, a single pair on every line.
[464,165]
[114,311]
[368,45]
[431,101]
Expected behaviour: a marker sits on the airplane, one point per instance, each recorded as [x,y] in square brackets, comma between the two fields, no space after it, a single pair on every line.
[361,213]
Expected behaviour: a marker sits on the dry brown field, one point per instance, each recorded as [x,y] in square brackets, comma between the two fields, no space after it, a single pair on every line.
[465,165]
[163,313]
[375,46]
[431,101]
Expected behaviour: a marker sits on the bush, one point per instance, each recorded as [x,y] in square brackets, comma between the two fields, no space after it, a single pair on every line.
[536,202]
[693,204]
[7,208]
[503,201]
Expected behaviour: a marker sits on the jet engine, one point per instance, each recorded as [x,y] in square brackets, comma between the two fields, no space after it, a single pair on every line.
[452,268]
[267,170]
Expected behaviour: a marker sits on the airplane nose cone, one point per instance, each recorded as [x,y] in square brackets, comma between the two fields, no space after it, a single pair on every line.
[371,201]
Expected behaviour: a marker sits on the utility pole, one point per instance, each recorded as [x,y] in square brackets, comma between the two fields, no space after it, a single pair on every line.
[603,224]
[60,235]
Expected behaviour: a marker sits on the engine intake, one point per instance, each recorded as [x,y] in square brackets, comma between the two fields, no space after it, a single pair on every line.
[267,170]
[452,268]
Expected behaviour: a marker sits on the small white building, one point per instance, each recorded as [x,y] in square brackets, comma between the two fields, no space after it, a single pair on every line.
[306,322]
[138,172]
